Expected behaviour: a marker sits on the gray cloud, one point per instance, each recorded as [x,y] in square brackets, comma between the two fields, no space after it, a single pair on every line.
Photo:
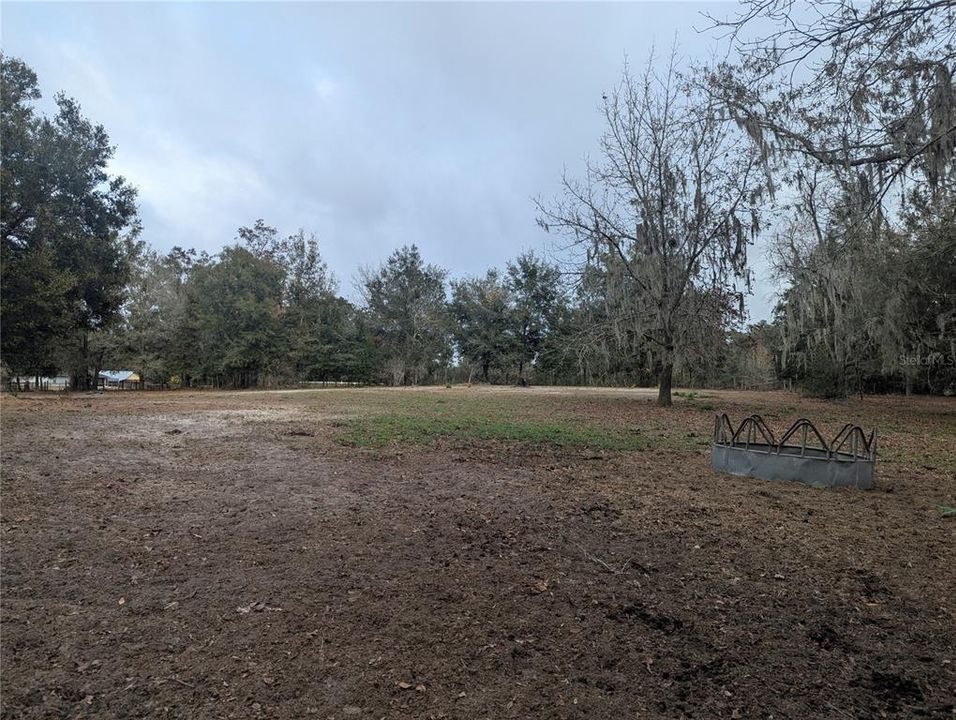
[372,125]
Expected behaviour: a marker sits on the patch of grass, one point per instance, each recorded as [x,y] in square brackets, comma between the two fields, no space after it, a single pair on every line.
[696,400]
[689,395]
[403,418]
[384,430]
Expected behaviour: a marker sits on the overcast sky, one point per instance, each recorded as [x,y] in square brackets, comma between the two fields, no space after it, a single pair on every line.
[371,125]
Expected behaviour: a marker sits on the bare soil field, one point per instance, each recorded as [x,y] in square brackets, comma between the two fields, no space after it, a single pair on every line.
[466,553]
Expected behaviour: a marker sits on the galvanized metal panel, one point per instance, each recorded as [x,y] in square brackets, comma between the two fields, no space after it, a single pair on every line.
[809,469]
[753,450]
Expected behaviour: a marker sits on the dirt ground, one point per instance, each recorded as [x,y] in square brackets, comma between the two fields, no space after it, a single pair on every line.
[225,555]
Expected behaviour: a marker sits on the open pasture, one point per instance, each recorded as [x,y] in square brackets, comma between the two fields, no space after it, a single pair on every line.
[466,553]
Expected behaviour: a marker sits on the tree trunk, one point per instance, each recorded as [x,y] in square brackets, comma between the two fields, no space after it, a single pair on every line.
[664,384]
[82,375]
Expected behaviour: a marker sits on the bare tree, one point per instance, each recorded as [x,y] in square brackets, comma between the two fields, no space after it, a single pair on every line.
[866,92]
[853,109]
[670,207]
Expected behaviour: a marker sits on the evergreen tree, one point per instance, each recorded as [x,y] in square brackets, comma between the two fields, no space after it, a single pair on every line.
[67,231]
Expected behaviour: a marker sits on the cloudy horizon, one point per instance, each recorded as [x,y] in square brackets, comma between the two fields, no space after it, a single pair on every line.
[371,125]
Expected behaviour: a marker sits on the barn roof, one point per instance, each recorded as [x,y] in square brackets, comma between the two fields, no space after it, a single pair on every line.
[116,375]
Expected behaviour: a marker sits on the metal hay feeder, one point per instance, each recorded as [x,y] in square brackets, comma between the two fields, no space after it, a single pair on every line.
[752,449]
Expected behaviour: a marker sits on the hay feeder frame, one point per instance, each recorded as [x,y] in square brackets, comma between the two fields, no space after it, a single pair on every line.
[802,454]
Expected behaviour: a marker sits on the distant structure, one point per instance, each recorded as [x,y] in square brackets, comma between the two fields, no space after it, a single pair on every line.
[22,383]
[118,379]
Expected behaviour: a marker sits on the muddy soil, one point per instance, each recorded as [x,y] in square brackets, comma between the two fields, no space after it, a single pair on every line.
[217,555]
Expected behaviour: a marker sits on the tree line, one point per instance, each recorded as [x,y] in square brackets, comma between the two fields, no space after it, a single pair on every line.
[265,311]
[832,135]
